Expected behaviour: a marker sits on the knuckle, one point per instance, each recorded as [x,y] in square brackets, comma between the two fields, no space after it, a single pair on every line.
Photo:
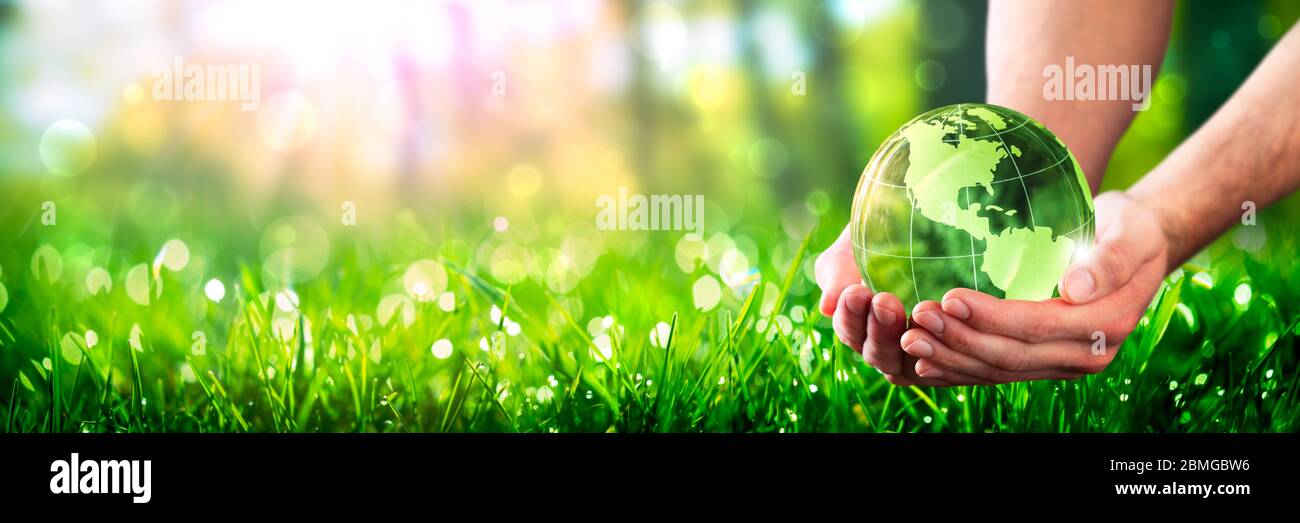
[1043,329]
[1014,360]
[1096,365]
[1115,259]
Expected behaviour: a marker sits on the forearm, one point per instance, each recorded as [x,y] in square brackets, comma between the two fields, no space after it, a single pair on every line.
[1249,151]
[1026,36]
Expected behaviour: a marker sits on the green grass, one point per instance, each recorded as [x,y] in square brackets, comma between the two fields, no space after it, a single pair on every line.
[763,360]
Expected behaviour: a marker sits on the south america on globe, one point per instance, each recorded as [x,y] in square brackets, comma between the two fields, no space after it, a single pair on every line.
[970,195]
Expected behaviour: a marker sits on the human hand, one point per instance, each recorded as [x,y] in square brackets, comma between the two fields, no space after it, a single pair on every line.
[868,324]
[972,338]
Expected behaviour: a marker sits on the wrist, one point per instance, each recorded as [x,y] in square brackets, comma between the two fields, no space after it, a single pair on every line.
[1166,217]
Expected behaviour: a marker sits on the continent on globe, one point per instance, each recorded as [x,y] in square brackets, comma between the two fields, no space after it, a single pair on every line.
[970,195]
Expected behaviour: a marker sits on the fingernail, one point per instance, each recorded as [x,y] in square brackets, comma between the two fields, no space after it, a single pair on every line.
[920,349]
[884,316]
[1079,285]
[931,321]
[856,302]
[957,308]
[932,373]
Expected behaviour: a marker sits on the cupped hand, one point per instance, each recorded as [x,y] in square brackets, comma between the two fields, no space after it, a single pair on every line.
[972,338]
[870,324]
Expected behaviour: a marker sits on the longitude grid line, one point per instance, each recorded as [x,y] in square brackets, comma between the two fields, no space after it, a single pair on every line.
[1028,202]
[1078,212]
[912,217]
[974,274]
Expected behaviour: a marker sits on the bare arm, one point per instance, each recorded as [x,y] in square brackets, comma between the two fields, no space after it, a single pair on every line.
[1249,151]
[1026,36]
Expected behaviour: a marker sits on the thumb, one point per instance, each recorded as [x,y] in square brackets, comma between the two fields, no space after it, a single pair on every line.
[836,270]
[1123,248]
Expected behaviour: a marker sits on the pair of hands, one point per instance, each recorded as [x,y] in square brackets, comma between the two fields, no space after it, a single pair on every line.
[972,338]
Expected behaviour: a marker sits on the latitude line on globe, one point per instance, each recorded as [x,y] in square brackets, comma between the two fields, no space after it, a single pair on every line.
[888,255]
[995,133]
[1011,179]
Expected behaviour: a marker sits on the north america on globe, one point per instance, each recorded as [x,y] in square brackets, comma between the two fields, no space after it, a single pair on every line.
[975,196]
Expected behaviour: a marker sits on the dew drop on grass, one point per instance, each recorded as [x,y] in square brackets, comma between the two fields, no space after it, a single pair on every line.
[1123,397]
[689,252]
[392,305]
[707,293]
[283,329]
[137,284]
[1268,375]
[798,314]
[287,300]
[134,339]
[425,280]
[47,264]
[1203,279]
[92,339]
[512,328]
[813,388]
[441,349]
[175,255]
[1242,294]
[604,348]
[927,419]
[659,334]
[784,325]
[215,290]
[447,302]
[1173,385]
[98,280]
[69,347]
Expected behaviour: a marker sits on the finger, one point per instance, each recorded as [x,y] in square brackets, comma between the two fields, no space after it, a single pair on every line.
[958,368]
[850,318]
[1124,244]
[836,269]
[949,377]
[908,376]
[884,328]
[1002,352]
[1113,316]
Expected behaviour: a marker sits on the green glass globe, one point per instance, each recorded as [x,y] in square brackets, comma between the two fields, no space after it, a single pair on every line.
[970,195]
